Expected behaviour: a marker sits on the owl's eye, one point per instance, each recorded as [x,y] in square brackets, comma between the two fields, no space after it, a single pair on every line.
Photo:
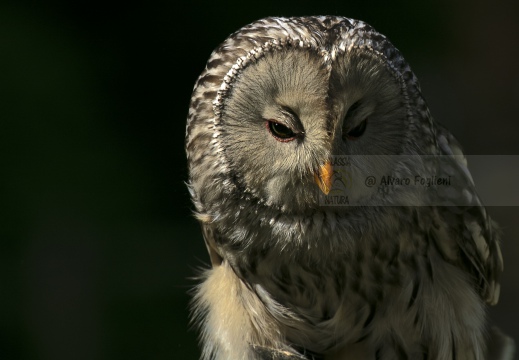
[280,132]
[358,130]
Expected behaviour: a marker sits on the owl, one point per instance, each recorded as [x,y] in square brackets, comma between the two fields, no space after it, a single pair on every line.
[401,266]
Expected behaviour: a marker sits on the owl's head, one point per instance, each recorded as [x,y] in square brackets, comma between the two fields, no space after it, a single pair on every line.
[281,98]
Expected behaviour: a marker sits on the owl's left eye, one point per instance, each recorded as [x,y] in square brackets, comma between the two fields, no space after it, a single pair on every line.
[358,130]
[280,132]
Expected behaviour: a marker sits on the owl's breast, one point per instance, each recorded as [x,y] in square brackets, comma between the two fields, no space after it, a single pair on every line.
[342,283]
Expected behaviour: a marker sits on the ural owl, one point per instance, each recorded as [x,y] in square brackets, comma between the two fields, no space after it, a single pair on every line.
[397,271]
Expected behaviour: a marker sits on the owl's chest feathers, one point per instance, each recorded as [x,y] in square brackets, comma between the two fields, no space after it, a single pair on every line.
[344,287]
[330,279]
[334,272]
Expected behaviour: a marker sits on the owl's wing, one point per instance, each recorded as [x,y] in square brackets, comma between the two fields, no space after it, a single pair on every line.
[210,242]
[476,246]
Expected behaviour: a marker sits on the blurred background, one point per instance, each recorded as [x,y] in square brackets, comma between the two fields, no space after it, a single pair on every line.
[97,242]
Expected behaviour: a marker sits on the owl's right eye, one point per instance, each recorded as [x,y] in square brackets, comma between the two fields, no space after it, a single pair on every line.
[280,132]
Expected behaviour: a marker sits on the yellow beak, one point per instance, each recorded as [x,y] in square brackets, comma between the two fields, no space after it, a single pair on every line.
[323,177]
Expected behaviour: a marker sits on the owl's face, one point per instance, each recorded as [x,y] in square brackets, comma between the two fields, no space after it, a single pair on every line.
[290,113]
[281,98]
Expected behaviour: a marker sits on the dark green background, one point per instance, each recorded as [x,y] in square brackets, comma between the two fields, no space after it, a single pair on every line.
[97,241]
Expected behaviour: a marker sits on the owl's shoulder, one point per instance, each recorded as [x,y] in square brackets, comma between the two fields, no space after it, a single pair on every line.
[465,226]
